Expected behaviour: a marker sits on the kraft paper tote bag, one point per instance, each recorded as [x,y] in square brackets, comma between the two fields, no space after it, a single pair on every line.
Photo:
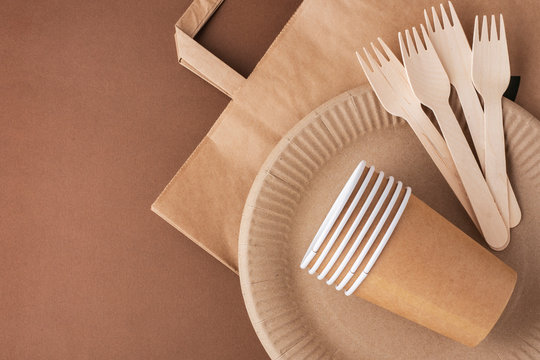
[311,61]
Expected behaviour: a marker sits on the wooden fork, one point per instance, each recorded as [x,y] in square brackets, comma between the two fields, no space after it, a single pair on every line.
[453,49]
[431,85]
[389,81]
[491,75]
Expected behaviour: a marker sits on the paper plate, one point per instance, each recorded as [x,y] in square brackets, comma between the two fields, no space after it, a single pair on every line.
[297,316]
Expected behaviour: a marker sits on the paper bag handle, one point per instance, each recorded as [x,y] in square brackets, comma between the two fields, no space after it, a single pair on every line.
[195,57]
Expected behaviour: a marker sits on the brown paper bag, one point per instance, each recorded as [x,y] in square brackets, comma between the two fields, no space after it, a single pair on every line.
[311,61]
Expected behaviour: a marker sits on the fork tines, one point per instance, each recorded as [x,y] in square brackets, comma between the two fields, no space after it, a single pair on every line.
[493,36]
[390,57]
[387,76]
[417,45]
[437,26]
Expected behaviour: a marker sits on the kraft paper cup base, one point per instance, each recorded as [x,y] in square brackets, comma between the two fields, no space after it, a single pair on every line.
[297,316]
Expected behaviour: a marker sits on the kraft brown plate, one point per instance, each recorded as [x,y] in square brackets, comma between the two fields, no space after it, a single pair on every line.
[297,316]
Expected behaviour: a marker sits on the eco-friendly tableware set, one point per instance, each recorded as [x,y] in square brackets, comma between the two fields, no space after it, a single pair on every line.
[344,252]
[307,109]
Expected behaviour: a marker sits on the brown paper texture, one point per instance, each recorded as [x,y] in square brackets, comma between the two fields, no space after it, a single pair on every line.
[310,62]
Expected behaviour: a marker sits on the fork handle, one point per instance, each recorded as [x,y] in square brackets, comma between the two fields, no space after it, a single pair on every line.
[496,155]
[472,109]
[491,223]
[436,147]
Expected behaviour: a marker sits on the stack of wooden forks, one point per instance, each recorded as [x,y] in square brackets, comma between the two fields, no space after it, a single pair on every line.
[432,62]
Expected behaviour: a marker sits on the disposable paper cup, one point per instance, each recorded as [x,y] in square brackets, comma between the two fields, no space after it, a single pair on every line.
[429,271]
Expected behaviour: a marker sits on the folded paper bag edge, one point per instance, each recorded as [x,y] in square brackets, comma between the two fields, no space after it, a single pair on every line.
[160,208]
[196,15]
[156,209]
[206,65]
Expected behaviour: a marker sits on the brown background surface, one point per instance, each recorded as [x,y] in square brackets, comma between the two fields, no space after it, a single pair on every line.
[97,116]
